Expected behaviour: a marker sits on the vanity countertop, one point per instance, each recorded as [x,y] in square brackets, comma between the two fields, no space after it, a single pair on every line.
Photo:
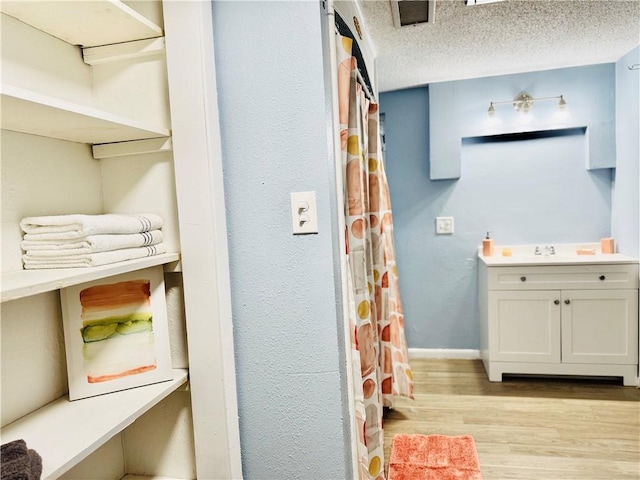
[565,255]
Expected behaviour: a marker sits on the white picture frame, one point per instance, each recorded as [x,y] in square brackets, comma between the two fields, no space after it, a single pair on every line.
[116,333]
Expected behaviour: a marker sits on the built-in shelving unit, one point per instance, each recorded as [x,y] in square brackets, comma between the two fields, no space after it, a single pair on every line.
[23,283]
[64,432]
[97,93]
[31,112]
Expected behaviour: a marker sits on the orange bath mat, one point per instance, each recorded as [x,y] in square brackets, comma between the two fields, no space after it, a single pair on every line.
[434,457]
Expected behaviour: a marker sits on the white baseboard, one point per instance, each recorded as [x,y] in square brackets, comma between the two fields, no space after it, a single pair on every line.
[449,353]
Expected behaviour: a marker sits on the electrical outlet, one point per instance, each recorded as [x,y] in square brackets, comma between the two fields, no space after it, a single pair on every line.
[444,225]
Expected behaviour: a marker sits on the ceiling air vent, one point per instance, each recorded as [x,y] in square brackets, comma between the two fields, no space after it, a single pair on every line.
[410,12]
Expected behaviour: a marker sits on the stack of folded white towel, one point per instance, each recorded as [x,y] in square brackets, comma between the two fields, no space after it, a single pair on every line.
[71,241]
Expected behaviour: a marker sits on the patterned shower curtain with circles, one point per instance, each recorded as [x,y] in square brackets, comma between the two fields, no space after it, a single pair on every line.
[378,344]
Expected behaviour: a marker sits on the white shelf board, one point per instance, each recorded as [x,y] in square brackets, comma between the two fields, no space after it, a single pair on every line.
[135,147]
[148,477]
[64,432]
[89,24]
[123,51]
[37,114]
[23,283]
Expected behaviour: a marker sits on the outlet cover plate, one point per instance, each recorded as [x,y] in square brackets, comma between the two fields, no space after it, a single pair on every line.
[444,225]
[304,215]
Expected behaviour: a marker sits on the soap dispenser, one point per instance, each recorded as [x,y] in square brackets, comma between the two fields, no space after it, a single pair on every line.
[487,246]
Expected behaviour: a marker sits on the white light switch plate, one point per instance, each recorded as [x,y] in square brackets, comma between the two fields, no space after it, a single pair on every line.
[304,216]
[444,225]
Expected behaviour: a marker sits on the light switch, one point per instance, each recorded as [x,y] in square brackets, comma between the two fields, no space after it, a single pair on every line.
[304,216]
[444,225]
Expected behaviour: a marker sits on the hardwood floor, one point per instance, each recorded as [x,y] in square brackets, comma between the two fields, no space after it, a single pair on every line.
[525,428]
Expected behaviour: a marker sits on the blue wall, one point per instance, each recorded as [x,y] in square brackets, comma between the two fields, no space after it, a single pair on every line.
[458,109]
[286,306]
[626,199]
[529,189]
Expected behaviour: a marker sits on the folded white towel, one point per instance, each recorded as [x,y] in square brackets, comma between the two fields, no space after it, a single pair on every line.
[91,244]
[92,259]
[69,227]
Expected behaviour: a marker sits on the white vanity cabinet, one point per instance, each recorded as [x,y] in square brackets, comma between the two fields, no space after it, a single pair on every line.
[559,319]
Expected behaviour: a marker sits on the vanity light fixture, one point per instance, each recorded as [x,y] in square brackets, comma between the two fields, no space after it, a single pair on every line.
[523,103]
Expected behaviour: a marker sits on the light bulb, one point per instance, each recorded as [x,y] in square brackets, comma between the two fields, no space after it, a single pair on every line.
[523,102]
[562,103]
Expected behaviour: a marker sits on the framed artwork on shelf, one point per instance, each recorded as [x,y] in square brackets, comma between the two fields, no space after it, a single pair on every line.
[116,333]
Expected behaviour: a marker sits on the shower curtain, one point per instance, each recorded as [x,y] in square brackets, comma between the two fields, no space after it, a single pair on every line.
[378,344]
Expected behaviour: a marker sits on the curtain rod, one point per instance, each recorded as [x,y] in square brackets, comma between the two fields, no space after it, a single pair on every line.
[635,66]
[365,88]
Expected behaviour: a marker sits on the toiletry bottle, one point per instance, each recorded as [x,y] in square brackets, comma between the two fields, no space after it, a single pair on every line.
[607,245]
[487,246]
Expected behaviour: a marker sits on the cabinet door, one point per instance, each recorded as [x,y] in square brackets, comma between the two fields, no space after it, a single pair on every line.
[524,326]
[600,326]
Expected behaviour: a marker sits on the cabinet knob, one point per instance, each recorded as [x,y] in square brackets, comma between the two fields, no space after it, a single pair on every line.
[523,279]
[567,302]
[557,302]
[602,277]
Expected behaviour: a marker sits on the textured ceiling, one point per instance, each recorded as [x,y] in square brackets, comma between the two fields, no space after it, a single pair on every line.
[499,38]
